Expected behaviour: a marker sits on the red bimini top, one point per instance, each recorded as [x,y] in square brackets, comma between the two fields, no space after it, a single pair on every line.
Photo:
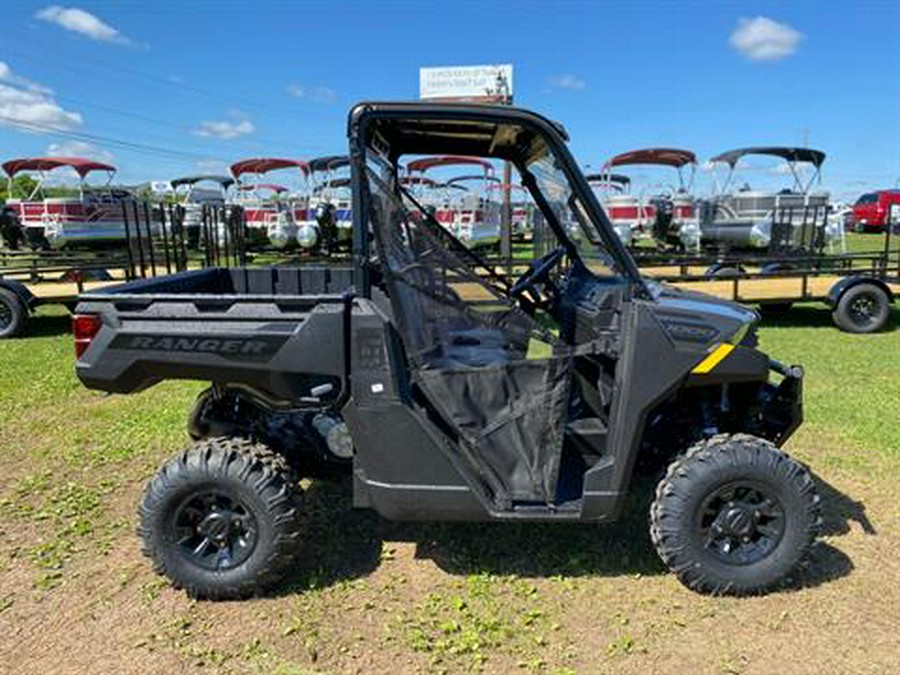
[448,160]
[662,156]
[82,166]
[266,164]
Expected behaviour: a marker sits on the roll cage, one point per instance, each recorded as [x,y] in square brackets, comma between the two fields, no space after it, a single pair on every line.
[390,131]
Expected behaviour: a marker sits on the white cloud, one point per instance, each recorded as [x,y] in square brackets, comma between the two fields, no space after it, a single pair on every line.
[79,149]
[782,169]
[28,106]
[567,81]
[224,129]
[764,39]
[314,94]
[80,21]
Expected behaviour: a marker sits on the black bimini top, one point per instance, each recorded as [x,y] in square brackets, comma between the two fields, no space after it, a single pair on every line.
[814,157]
[329,163]
[224,181]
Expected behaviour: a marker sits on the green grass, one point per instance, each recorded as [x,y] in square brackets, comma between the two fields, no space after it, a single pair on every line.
[474,597]
[852,385]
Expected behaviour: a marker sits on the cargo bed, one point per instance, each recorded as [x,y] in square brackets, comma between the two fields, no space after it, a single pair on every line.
[273,329]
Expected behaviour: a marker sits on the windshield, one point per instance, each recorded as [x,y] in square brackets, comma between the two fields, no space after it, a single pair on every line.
[572,215]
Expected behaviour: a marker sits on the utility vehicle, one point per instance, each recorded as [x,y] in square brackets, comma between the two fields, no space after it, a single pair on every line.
[450,392]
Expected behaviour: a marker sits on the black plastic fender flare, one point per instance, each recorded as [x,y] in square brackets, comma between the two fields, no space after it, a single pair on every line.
[843,285]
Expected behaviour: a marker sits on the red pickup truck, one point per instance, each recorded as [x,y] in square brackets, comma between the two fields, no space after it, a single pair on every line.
[871,211]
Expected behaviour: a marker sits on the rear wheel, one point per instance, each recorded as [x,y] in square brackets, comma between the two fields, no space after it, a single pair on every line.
[734,515]
[222,520]
[864,308]
[13,314]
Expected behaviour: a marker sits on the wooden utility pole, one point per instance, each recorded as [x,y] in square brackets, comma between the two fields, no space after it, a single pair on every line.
[505,98]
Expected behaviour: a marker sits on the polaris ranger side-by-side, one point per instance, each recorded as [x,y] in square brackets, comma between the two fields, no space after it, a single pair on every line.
[452,392]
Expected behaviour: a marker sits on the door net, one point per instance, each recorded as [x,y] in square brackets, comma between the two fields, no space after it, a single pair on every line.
[494,374]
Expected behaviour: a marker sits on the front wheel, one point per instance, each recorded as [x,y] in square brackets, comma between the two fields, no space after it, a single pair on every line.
[221,520]
[734,515]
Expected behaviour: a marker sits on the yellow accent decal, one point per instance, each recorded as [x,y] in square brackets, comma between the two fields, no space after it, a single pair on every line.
[711,361]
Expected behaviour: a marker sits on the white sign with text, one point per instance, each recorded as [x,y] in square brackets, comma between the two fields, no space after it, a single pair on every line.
[493,83]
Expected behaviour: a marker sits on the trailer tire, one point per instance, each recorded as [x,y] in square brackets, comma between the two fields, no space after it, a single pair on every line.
[222,519]
[13,314]
[734,515]
[862,308]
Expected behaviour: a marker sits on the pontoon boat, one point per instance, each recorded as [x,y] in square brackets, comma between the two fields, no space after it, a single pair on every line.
[613,189]
[91,216]
[195,192]
[663,210]
[329,209]
[794,218]
[477,215]
[271,213]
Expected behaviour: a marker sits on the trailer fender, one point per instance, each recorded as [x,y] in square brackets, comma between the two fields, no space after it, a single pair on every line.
[21,290]
[845,284]
[724,270]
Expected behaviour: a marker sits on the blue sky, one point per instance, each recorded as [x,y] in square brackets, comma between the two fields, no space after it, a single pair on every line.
[193,86]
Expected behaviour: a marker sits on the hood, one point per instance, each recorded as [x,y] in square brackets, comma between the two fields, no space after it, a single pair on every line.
[689,316]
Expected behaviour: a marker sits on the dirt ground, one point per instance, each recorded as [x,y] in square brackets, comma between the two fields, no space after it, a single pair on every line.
[369,596]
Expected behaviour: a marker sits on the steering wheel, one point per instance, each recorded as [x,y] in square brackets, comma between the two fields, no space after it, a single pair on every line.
[535,275]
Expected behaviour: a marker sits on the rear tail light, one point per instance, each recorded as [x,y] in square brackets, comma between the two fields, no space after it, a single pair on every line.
[85,327]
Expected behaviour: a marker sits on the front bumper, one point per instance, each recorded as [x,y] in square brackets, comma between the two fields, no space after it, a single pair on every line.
[782,407]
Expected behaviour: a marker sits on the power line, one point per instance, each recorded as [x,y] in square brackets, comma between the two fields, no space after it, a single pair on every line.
[103,140]
[252,148]
[158,80]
